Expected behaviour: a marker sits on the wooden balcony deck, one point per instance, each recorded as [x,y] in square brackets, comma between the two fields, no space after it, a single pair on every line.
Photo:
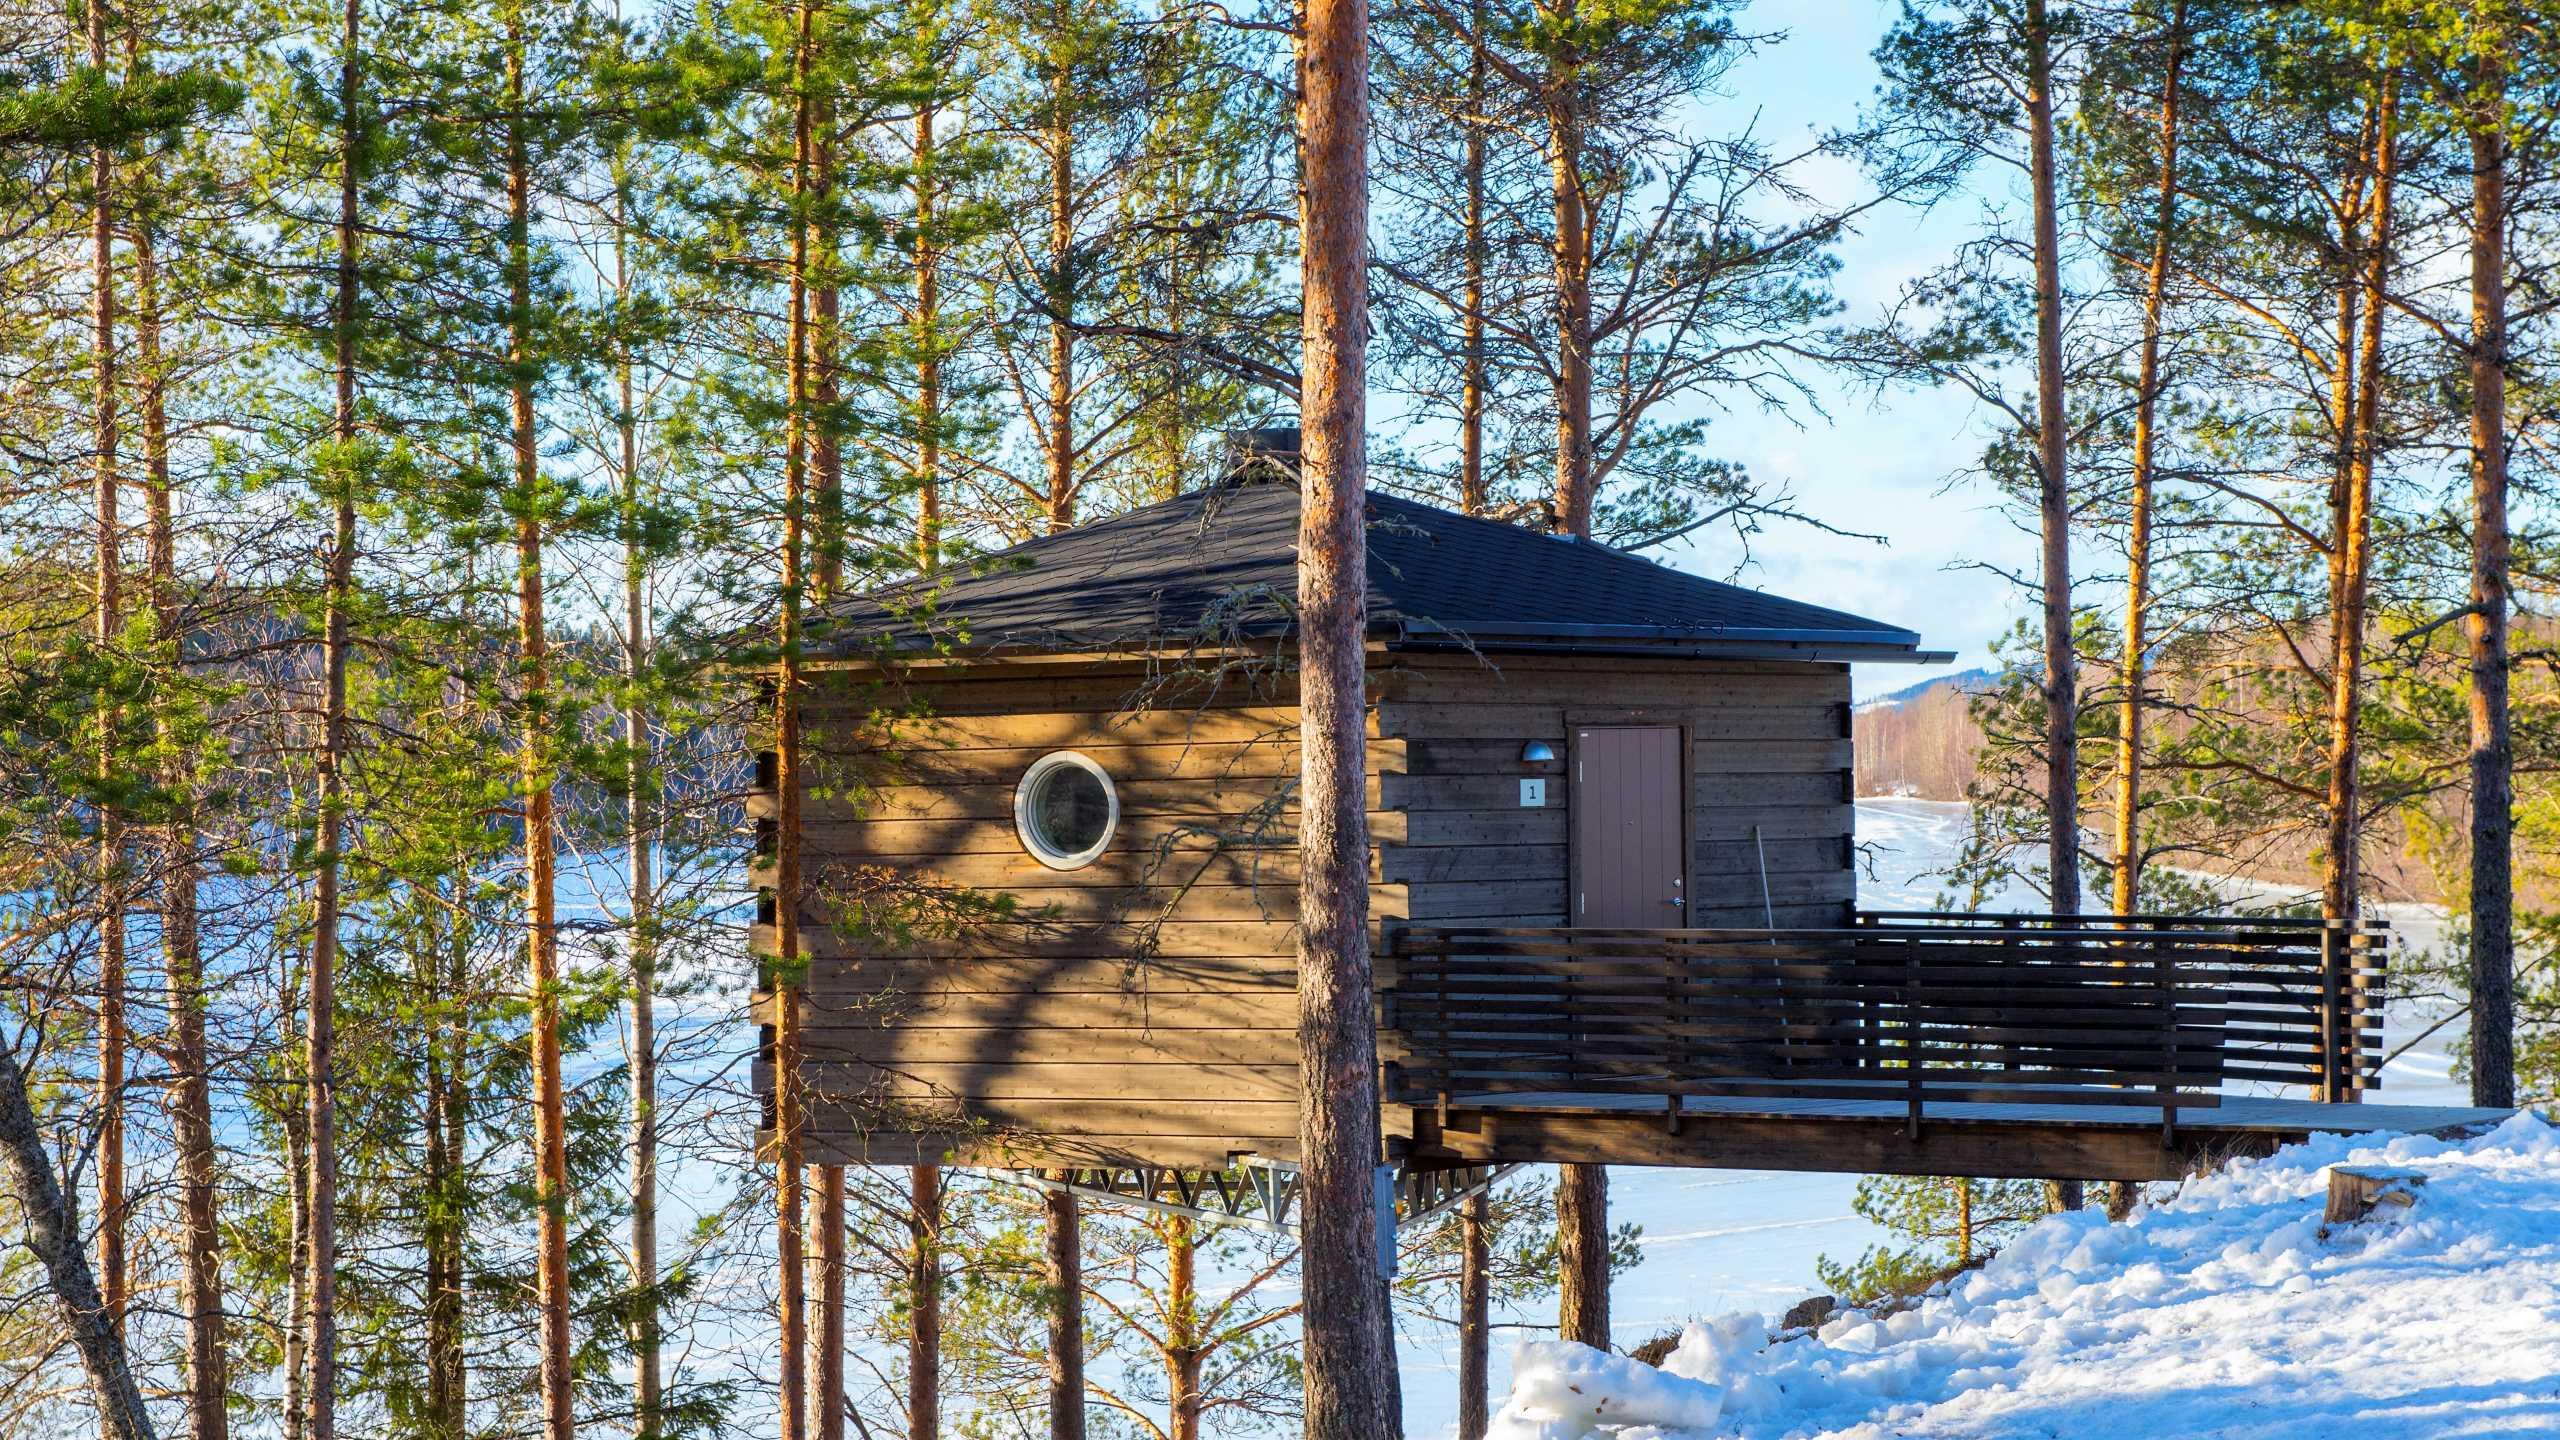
[2099,1048]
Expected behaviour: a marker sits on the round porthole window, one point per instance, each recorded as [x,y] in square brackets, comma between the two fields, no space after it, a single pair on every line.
[1065,810]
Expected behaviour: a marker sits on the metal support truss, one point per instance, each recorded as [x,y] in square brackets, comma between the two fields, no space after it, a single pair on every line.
[1260,1194]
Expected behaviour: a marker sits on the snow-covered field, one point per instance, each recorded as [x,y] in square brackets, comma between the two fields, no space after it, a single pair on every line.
[2224,1311]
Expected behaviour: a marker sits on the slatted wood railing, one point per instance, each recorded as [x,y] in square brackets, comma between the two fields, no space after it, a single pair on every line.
[1901,1008]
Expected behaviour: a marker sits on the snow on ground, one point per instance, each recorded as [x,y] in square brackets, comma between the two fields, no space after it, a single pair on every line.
[2223,1311]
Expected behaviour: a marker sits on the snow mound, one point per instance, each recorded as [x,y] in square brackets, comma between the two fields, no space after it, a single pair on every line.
[2221,1312]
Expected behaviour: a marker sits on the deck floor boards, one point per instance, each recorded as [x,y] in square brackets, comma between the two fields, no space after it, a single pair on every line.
[2255,1113]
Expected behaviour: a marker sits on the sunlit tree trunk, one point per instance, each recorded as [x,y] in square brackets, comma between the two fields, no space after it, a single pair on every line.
[788,1090]
[320,1026]
[924,1304]
[1572,259]
[648,1384]
[1183,1347]
[114,1289]
[1475,1317]
[826,1370]
[2341,891]
[1582,1258]
[1471,380]
[2053,498]
[541,839]
[2137,600]
[1062,1275]
[1059,444]
[181,937]
[1350,1366]
[928,476]
[826,447]
[2493,1001]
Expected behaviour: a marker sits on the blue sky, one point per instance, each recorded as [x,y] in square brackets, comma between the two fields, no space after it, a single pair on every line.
[1877,464]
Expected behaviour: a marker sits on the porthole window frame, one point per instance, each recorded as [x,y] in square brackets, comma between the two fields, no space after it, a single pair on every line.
[1035,844]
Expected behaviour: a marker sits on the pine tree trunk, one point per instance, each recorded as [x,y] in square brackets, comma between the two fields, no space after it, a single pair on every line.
[1350,1372]
[928,477]
[2493,1000]
[2137,599]
[52,1235]
[1475,1317]
[788,1091]
[827,1367]
[319,1027]
[297,1329]
[1471,380]
[2341,896]
[924,1305]
[1563,101]
[826,447]
[648,1384]
[1063,1277]
[541,838]
[441,1237]
[114,1288]
[1061,436]
[1183,1351]
[1582,1253]
[190,1102]
[2053,500]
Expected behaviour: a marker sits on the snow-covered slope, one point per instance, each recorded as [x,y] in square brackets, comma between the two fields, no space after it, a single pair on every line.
[2221,1312]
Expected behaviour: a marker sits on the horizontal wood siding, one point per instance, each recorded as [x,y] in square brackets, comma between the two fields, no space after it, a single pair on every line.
[1143,1007]
[1770,762]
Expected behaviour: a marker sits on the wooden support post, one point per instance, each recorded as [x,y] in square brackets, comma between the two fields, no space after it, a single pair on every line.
[1911,1032]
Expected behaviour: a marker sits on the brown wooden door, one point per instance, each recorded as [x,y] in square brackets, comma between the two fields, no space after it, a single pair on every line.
[1629,830]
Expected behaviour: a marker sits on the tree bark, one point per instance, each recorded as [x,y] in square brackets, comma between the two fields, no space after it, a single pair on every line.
[2493,1000]
[924,1304]
[1471,386]
[1060,441]
[827,1369]
[789,1241]
[1475,1317]
[826,447]
[190,1102]
[928,477]
[2137,603]
[319,1028]
[541,837]
[53,1236]
[113,1285]
[648,1384]
[1563,102]
[1063,1276]
[1350,1370]
[2053,498]
[1582,1253]
[1183,1348]
[2341,893]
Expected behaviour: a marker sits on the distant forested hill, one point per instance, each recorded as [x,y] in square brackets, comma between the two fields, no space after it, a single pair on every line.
[1920,741]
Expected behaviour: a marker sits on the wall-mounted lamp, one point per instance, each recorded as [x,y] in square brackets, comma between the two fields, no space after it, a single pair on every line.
[1537,752]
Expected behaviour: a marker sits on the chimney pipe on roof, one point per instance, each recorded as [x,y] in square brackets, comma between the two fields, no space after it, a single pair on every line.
[1261,455]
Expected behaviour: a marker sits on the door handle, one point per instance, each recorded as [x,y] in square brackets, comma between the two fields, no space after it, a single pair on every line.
[1677,901]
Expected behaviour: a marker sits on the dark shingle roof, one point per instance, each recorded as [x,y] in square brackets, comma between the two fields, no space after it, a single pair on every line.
[1221,563]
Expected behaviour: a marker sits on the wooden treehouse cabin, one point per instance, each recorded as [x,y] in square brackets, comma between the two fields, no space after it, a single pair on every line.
[1050,866]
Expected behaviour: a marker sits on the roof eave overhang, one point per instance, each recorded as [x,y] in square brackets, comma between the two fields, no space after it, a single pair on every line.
[1878,646]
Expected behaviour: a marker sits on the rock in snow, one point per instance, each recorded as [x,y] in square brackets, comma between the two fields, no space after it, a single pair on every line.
[2225,1311]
